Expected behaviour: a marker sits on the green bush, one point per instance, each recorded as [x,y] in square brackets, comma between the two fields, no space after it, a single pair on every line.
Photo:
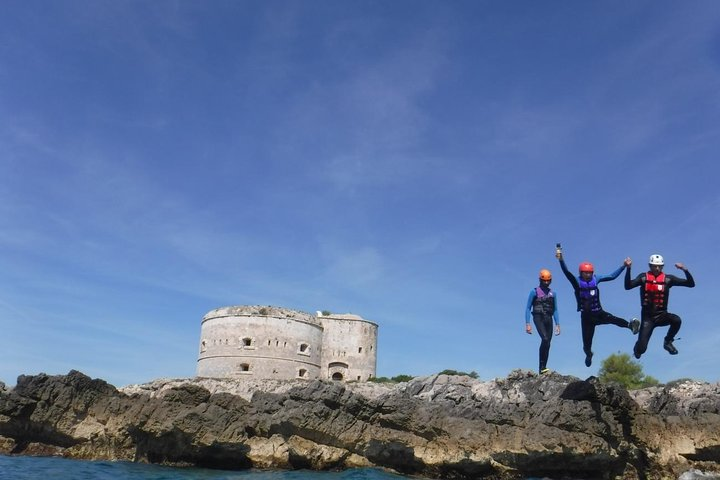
[620,368]
[395,379]
[379,380]
[472,374]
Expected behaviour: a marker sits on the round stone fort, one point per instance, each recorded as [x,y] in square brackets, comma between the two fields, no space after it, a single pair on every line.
[265,342]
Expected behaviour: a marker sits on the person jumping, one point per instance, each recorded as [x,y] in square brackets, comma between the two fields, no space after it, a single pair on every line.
[587,295]
[654,293]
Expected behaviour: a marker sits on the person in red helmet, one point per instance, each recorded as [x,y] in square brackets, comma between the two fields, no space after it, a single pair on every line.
[654,293]
[587,295]
[542,306]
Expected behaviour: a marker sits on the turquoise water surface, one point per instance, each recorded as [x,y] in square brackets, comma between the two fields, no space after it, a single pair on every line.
[50,468]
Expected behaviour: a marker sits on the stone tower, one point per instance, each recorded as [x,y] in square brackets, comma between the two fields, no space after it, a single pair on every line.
[278,343]
[349,347]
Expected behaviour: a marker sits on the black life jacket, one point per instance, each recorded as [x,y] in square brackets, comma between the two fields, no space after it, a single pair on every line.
[544,302]
[588,295]
[655,294]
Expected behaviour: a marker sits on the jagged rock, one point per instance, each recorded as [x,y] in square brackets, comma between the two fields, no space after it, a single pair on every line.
[441,426]
[698,475]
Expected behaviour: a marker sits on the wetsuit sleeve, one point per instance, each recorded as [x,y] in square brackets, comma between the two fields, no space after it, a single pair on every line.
[528,308]
[612,276]
[556,314]
[571,278]
[629,284]
[688,281]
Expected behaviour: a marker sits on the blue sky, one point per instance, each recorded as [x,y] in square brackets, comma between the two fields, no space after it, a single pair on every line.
[411,162]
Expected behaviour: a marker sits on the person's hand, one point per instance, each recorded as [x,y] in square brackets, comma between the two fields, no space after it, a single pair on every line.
[528,329]
[558,255]
[628,261]
[557,329]
[681,267]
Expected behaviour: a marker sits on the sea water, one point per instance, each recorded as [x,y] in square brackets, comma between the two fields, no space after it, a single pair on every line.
[52,468]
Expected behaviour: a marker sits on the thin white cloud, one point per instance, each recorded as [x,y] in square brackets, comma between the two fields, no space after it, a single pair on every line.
[355,267]
[369,121]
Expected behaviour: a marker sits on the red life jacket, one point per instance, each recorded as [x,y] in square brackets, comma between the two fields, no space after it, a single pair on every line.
[656,292]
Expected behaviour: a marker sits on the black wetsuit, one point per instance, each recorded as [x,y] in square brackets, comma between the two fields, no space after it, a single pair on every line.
[655,314]
[591,312]
[543,309]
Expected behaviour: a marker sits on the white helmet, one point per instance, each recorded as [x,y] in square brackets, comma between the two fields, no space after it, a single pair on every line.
[656,259]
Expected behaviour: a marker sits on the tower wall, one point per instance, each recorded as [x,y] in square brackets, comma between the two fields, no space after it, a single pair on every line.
[259,342]
[349,348]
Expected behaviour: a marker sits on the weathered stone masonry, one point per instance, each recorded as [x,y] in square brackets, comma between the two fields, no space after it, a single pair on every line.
[278,343]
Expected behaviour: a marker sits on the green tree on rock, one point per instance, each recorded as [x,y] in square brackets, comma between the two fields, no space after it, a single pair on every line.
[620,368]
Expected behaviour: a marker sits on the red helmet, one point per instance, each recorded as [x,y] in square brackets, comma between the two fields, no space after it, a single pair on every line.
[586,267]
[545,275]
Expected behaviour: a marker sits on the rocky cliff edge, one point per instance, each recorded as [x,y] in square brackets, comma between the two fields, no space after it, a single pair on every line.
[440,426]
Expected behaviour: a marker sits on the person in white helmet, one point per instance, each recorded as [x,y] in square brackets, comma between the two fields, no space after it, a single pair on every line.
[654,293]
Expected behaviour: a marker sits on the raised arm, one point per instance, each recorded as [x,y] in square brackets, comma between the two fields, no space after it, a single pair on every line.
[630,284]
[612,276]
[688,281]
[571,278]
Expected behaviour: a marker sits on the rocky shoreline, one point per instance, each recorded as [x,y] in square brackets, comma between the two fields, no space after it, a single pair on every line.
[441,426]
